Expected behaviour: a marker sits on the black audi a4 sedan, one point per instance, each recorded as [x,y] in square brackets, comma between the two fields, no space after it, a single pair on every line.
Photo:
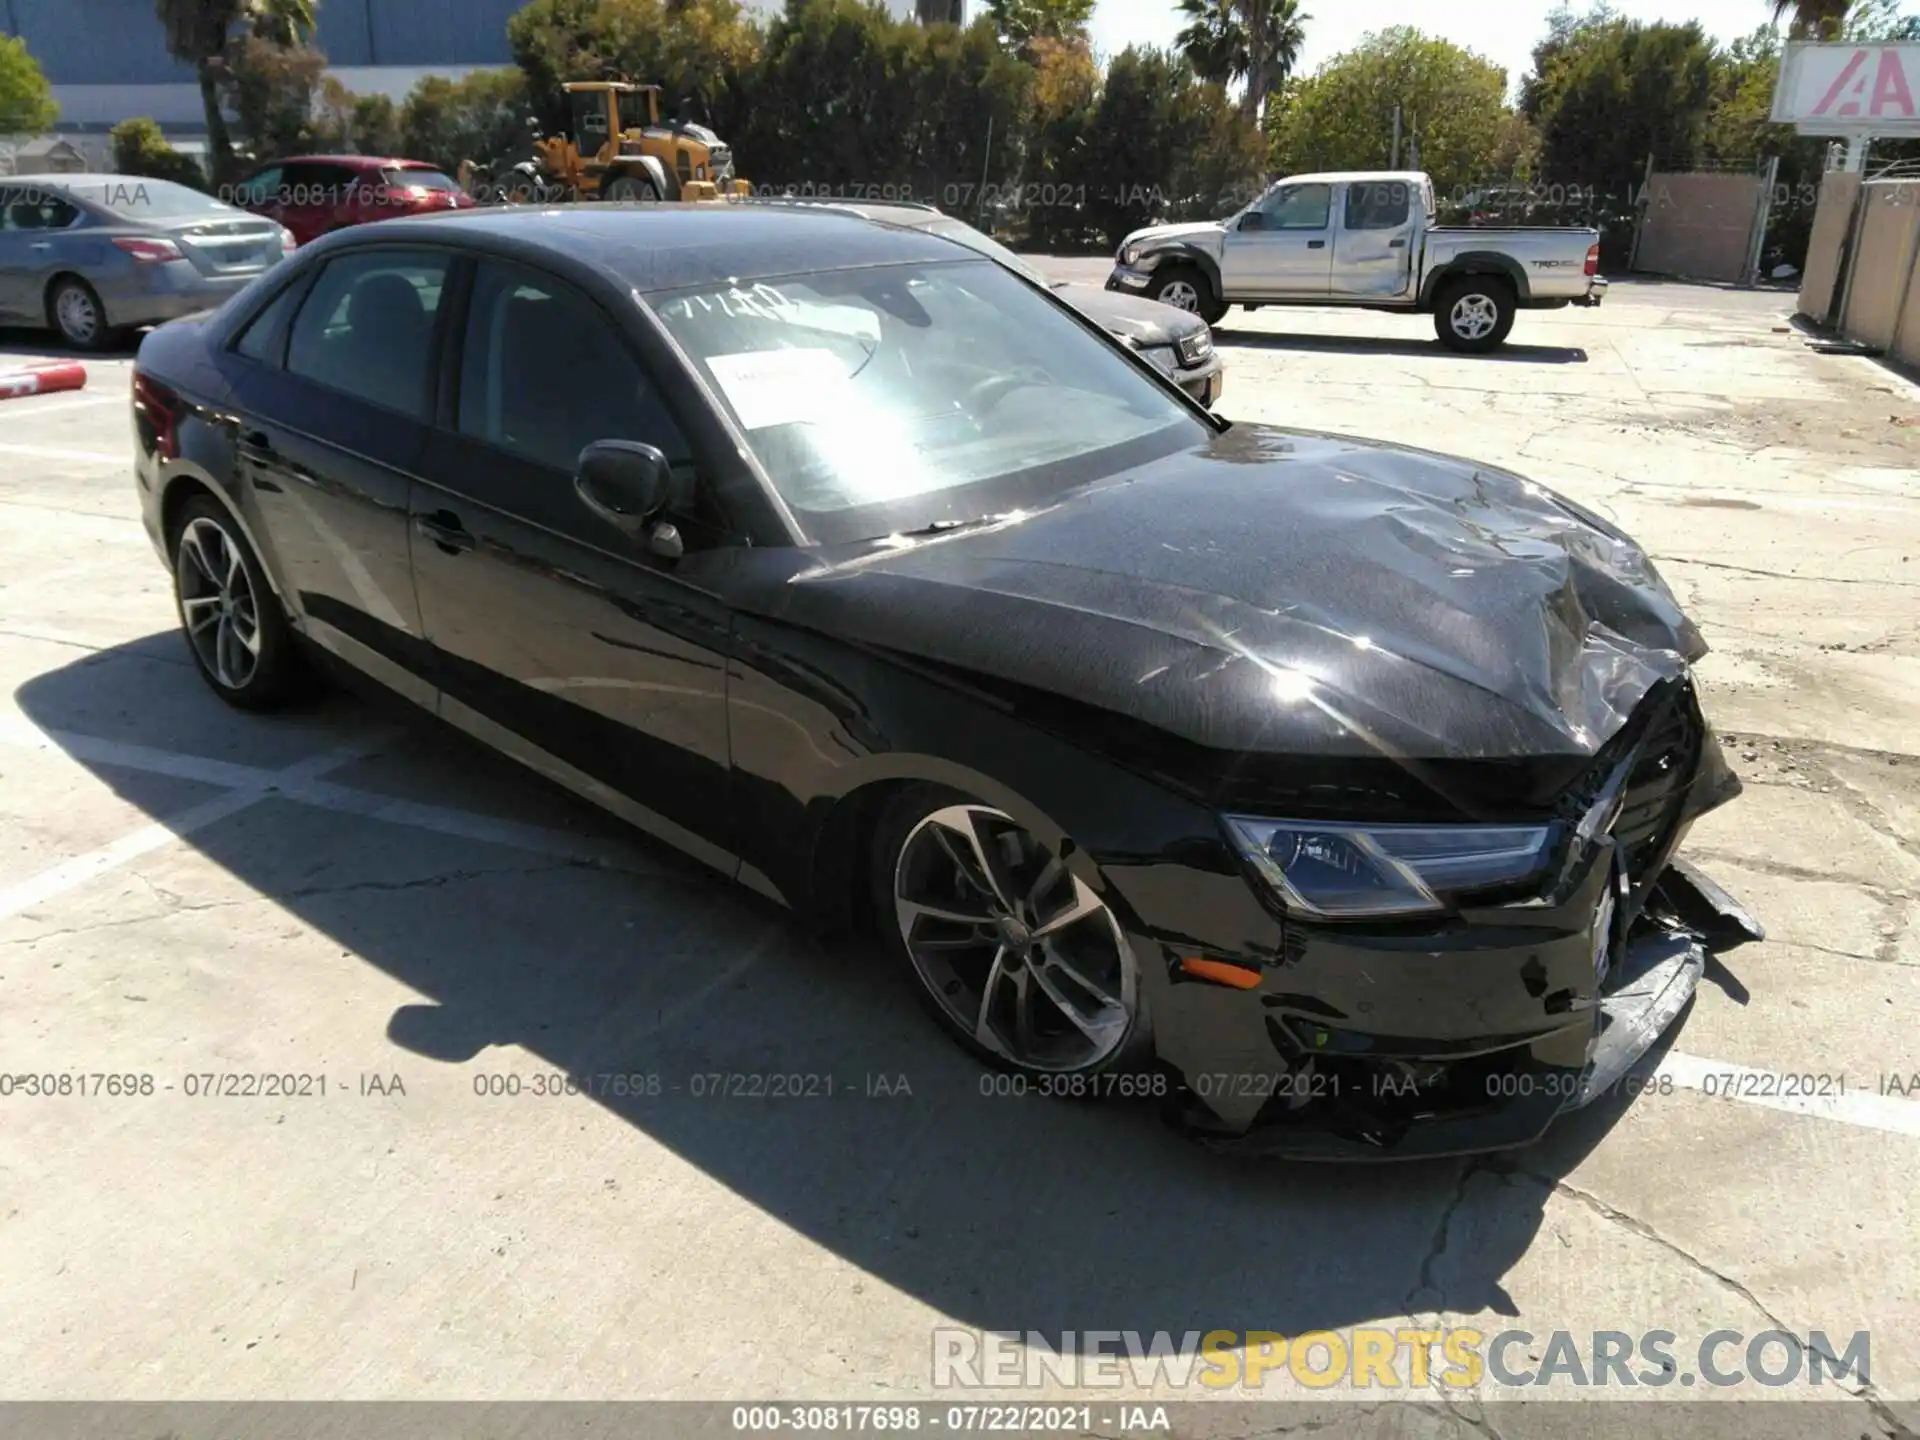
[1333,787]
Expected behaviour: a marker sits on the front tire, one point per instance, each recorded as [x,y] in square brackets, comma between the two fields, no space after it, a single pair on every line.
[1018,958]
[1185,288]
[234,627]
[1474,314]
[76,312]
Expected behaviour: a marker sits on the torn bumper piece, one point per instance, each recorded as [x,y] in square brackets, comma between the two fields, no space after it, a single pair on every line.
[1344,1095]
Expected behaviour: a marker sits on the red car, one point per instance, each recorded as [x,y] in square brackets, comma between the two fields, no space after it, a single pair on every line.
[313,194]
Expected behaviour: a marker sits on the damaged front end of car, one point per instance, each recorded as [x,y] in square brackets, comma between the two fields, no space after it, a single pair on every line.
[1534,993]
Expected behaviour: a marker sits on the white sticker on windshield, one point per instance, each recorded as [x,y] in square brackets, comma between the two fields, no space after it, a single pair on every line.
[781,387]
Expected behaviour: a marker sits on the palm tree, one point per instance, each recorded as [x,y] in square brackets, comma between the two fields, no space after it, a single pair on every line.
[1812,19]
[1219,41]
[197,34]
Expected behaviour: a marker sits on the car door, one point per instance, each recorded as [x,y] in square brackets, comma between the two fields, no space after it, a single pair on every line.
[334,409]
[315,198]
[1281,248]
[556,637]
[1373,255]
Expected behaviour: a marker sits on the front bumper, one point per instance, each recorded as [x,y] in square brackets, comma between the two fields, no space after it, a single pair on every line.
[150,294]
[1204,381]
[1462,1033]
[1128,281]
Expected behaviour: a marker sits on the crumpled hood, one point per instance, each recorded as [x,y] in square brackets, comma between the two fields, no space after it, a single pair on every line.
[1143,321]
[1190,230]
[1284,593]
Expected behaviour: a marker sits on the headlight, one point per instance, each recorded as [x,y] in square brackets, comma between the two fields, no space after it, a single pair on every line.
[1129,255]
[1196,347]
[1340,872]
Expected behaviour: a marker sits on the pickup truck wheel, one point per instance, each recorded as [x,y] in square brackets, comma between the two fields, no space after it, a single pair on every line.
[1474,314]
[1185,288]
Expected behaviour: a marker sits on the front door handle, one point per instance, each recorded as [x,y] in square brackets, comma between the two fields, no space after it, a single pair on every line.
[258,445]
[1316,244]
[42,245]
[1396,244]
[444,529]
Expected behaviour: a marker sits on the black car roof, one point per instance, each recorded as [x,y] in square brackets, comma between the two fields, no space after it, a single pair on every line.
[670,247]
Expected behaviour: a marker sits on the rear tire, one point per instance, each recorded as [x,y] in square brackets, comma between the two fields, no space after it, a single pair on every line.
[1474,314]
[1016,958]
[1185,288]
[75,311]
[234,627]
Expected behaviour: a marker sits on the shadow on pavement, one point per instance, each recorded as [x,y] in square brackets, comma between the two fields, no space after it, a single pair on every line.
[1006,1214]
[1371,345]
[47,344]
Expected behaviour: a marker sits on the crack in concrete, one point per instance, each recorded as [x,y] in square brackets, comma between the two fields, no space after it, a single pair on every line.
[1784,574]
[1437,1243]
[1633,1225]
[1785,870]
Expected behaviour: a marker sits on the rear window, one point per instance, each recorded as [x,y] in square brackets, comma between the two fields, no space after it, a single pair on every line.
[141,199]
[424,179]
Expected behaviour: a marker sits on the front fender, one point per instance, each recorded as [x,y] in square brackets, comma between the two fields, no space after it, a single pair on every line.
[1183,252]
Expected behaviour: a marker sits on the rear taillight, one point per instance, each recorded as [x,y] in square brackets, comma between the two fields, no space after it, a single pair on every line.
[156,417]
[1593,260]
[150,252]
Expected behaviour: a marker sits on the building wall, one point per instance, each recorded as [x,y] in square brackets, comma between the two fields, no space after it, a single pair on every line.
[1818,288]
[1884,269]
[1700,226]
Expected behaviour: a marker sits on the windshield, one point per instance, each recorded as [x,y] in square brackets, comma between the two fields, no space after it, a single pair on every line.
[423,179]
[144,199]
[893,398]
[950,229]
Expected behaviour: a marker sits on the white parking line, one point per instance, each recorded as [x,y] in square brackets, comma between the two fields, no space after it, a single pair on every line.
[1865,1108]
[70,874]
[59,405]
[17,732]
[54,452]
[300,783]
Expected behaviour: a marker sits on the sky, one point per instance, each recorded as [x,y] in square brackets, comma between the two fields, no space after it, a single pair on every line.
[1504,31]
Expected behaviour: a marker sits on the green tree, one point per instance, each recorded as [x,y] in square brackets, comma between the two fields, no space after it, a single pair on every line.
[1452,104]
[141,148]
[273,92]
[1219,41]
[1021,22]
[698,48]
[482,117]
[26,100]
[1607,92]
[1881,20]
[200,32]
[1812,19]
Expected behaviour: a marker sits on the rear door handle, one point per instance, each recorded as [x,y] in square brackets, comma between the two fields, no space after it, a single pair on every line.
[1396,245]
[258,445]
[444,529]
[42,245]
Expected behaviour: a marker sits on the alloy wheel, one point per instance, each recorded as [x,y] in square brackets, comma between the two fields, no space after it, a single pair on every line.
[77,314]
[1475,316]
[217,603]
[1181,295]
[1018,950]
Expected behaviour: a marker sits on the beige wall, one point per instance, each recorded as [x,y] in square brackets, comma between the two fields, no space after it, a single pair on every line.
[1699,226]
[1883,262]
[1838,191]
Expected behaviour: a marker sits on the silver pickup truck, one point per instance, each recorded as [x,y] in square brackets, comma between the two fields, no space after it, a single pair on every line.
[1369,241]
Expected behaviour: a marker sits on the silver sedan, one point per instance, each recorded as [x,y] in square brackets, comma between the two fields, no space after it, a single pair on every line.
[93,255]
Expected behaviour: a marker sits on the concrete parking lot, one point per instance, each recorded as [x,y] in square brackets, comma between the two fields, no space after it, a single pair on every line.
[354,899]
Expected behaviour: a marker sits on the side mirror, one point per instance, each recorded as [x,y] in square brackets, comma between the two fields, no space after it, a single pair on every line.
[1253,220]
[623,482]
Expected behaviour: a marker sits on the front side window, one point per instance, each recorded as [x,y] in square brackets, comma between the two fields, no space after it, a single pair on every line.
[893,398]
[1378,204]
[366,328]
[544,374]
[1298,207]
[261,189]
